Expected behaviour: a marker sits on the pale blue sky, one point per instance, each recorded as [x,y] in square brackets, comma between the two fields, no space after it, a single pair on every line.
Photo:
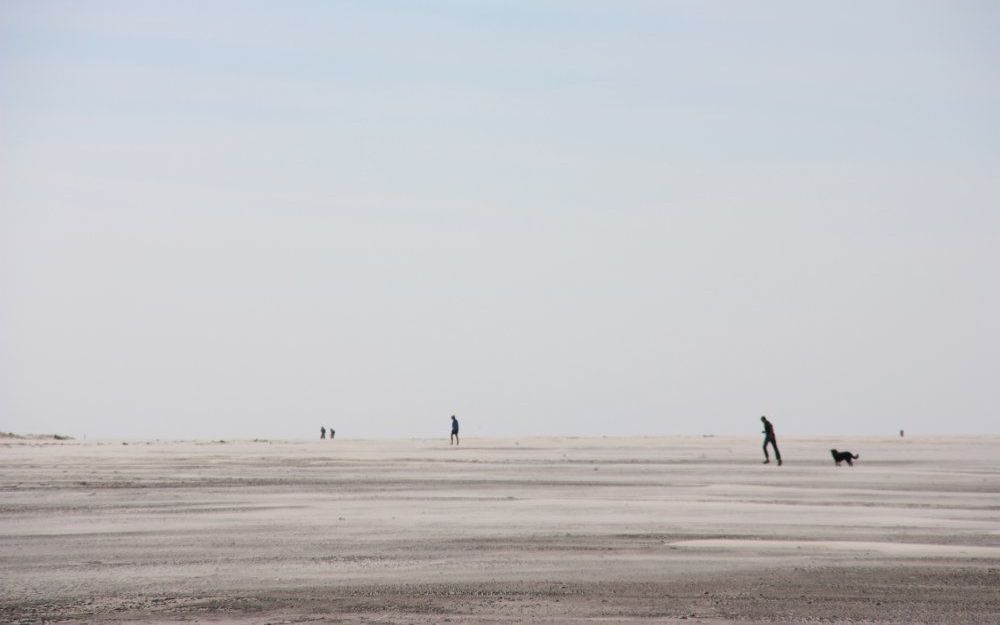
[251,219]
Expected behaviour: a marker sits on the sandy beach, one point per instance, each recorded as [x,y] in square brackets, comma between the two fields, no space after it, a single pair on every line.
[552,530]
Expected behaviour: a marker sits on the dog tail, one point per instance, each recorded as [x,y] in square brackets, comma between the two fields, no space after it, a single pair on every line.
[856,456]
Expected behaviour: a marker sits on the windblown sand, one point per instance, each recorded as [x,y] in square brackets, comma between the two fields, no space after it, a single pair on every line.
[554,530]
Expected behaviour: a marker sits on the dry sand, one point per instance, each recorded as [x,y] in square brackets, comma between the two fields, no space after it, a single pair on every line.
[549,530]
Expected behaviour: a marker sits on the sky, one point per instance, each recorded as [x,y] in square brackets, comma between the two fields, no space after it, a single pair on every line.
[251,219]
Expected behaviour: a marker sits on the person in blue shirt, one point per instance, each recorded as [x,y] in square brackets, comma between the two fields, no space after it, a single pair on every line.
[454,431]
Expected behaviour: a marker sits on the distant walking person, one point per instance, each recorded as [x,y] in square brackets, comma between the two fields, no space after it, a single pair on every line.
[333,433]
[454,431]
[769,438]
[322,432]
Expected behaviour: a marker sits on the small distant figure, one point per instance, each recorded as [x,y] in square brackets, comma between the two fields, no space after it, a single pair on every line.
[322,432]
[333,433]
[454,431]
[843,456]
[901,434]
[769,438]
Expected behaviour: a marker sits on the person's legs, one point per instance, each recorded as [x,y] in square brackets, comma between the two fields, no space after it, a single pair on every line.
[777,454]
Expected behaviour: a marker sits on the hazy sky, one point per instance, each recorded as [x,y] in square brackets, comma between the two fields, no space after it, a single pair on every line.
[226,219]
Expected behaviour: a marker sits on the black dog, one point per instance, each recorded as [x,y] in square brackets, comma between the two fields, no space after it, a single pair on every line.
[841,456]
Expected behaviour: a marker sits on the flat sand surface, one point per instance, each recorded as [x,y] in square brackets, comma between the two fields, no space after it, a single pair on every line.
[552,530]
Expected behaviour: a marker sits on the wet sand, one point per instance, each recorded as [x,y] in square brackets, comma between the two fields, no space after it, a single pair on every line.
[548,530]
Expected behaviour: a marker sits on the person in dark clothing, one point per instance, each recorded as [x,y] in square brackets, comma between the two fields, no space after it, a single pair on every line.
[333,433]
[769,438]
[454,431]
[322,432]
